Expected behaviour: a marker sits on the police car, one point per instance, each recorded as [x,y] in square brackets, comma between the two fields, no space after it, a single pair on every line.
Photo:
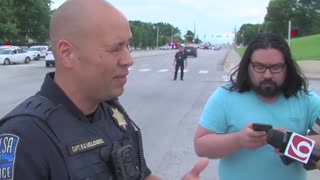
[50,58]
[38,52]
[14,54]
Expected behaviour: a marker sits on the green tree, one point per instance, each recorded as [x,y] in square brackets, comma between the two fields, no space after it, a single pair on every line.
[279,12]
[247,32]
[23,20]
[145,35]
[33,18]
[8,27]
[303,14]
[189,36]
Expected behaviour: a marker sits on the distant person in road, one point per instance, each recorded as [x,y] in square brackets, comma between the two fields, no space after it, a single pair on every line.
[74,127]
[180,61]
[266,87]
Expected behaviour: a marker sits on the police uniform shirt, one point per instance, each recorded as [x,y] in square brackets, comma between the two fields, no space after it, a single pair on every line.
[180,57]
[26,151]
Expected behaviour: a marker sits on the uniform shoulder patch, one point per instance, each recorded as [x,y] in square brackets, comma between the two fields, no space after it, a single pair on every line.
[8,146]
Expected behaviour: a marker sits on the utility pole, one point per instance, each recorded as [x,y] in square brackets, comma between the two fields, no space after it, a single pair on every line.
[289,32]
[235,36]
[171,34]
[157,37]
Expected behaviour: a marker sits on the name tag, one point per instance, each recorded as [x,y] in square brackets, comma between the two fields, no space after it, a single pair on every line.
[85,146]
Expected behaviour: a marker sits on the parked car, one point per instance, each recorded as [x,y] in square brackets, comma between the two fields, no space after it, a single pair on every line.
[49,59]
[165,47]
[38,52]
[216,47]
[191,51]
[14,55]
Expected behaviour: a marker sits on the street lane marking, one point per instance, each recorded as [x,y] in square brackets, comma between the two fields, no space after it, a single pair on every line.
[163,70]
[145,70]
[203,72]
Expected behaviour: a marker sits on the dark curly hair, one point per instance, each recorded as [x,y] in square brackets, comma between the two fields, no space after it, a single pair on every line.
[295,81]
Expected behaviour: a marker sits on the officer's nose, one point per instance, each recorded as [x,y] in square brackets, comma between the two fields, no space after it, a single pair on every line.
[126,58]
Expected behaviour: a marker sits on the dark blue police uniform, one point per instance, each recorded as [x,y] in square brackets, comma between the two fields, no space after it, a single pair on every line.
[47,137]
[180,57]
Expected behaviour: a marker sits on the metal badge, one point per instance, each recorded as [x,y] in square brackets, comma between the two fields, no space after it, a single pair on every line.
[119,119]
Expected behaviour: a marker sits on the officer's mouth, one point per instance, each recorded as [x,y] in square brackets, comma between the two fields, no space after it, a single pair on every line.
[122,79]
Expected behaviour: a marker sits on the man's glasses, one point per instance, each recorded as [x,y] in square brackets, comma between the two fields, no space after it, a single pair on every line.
[261,68]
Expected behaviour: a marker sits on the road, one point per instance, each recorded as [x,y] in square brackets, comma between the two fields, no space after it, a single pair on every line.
[167,111]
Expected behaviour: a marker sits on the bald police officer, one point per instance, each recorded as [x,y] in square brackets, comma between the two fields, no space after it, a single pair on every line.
[74,127]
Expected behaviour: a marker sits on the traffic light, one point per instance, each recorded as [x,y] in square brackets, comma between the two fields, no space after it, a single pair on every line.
[293,32]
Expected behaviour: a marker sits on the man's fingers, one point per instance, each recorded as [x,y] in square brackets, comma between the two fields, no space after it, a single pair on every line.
[318,165]
[200,166]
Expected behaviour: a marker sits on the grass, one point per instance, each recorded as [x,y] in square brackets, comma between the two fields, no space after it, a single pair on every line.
[302,48]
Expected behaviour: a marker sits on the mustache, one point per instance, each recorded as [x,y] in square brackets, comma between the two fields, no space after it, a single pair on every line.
[268,81]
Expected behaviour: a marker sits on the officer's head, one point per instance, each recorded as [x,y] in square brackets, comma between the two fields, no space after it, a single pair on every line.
[90,43]
[181,48]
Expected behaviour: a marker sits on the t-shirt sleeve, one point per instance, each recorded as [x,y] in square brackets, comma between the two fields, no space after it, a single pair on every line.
[213,117]
[314,100]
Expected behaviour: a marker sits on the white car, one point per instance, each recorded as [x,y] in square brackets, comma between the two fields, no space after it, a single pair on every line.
[38,52]
[50,58]
[14,55]
[165,47]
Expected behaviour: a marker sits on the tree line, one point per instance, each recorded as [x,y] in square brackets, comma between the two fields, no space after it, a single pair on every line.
[27,22]
[304,16]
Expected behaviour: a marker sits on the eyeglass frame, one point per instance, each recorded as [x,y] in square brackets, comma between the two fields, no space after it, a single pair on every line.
[281,66]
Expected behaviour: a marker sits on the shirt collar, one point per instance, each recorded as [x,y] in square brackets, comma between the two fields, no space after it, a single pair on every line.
[52,91]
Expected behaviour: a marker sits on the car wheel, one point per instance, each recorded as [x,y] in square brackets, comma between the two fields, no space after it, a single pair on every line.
[47,64]
[6,61]
[38,57]
[27,60]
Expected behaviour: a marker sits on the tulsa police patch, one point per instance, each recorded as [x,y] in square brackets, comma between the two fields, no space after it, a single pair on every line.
[8,146]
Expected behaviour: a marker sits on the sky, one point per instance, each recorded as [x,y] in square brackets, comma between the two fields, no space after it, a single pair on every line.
[214,21]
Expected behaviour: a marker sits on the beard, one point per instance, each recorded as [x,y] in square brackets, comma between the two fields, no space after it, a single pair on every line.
[267,88]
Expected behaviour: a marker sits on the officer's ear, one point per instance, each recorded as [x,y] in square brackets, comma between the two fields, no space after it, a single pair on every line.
[65,53]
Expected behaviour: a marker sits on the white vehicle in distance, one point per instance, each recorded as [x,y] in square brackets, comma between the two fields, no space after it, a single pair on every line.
[38,52]
[50,58]
[14,55]
[165,47]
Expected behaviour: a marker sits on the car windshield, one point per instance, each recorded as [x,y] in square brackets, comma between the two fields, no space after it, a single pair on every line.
[34,49]
[5,51]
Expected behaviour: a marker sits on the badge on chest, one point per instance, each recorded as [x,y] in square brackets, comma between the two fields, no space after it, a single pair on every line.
[119,119]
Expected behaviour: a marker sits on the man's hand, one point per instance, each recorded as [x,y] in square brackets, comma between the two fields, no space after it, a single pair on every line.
[196,170]
[318,165]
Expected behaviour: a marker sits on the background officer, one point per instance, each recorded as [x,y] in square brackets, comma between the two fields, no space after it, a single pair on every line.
[74,127]
[180,61]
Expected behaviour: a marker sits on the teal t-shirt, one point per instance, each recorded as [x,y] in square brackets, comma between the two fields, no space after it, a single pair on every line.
[230,111]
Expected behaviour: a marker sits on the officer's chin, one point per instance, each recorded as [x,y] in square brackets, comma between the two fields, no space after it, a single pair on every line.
[117,92]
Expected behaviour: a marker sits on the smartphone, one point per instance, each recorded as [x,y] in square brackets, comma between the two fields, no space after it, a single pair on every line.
[261,127]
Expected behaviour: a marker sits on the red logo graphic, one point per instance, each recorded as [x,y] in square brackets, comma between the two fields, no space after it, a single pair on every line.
[299,148]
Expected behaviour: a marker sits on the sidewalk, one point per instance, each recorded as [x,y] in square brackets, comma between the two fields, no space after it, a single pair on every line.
[310,68]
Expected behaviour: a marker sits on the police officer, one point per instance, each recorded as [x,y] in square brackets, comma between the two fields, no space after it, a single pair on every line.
[180,61]
[74,127]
